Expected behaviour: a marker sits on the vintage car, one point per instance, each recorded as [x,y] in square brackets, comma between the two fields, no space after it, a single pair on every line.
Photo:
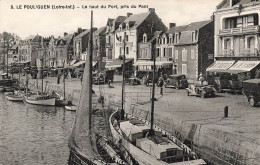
[103,77]
[251,89]
[202,91]
[177,81]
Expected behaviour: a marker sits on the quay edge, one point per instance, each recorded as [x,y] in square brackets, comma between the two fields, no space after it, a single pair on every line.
[210,142]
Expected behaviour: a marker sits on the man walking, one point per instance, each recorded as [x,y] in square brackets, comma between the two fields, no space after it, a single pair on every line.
[160,84]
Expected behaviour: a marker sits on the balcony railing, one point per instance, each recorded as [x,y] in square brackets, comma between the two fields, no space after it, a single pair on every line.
[164,59]
[239,30]
[242,53]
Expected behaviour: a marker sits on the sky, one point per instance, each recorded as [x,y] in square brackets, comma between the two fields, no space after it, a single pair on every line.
[17,17]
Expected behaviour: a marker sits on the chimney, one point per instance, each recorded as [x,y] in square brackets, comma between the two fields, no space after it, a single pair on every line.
[172,25]
[65,33]
[129,14]
[79,30]
[152,10]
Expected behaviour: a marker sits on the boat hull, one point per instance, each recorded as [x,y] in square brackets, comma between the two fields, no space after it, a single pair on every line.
[34,101]
[2,89]
[15,97]
[71,108]
[139,155]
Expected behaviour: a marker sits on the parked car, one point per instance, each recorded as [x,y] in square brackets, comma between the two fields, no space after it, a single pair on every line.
[177,81]
[251,89]
[202,91]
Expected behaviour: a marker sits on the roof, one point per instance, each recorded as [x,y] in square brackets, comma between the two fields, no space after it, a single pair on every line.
[109,21]
[137,19]
[83,33]
[30,37]
[226,3]
[189,27]
[120,19]
[101,30]
[15,46]
[155,34]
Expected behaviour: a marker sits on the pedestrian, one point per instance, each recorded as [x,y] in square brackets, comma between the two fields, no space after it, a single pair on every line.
[201,79]
[148,78]
[69,76]
[81,79]
[160,84]
[58,79]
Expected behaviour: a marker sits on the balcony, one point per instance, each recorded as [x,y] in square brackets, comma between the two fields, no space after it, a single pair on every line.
[109,45]
[242,53]
[239,31]
[164,59]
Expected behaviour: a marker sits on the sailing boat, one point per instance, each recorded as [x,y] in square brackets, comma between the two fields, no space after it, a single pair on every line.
[42,98]
[144,142]
[82,142]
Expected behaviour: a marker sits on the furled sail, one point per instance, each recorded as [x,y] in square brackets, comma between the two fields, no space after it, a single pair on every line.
[81,136]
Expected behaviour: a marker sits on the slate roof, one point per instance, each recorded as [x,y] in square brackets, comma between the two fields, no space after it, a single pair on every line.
[155,34]
[226,3]
[31,37]
[136,19]
[15,46]
[191,27]
[101,30]
[83,33]
[109,21]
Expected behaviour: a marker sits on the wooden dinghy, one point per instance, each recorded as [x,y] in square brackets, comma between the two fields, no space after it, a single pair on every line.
[40,100]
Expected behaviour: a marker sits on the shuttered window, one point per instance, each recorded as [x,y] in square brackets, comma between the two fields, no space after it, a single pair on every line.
[184,55]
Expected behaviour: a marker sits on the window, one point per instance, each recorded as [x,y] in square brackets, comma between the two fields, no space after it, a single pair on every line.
[164,40]
[184,69]
[120,38]
[144,38]
[127,26]
[157,52]
[164,52]
[127,50]
[143,54]
[250,43]
[192,55]
[193,35]
[176,54]
[227,44]
[120,50]
[184,55]
[126,38]
[140,53]
[109,39]
[170,52]
[146,52]
[176,38]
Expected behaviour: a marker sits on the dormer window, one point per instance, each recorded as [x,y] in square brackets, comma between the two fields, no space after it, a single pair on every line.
[144,38]
[170,39]
[120,28]
[177,37]
[193,36]
[127,26]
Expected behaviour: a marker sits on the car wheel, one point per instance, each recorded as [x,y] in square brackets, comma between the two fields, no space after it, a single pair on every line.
[177,87]
[213,94]
[188,93]
[252,101]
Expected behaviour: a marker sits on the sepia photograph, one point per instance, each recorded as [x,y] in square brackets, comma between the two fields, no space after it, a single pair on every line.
[106,82]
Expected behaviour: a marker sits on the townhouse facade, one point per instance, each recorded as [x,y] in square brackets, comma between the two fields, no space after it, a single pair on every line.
[99,50]
[80,45]
[112,26]
[190,48]
[132,30]
[237,39]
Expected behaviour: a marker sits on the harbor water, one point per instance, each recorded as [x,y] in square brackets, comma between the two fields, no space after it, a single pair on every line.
[34,135]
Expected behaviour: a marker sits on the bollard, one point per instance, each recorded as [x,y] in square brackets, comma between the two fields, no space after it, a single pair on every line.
[226,111]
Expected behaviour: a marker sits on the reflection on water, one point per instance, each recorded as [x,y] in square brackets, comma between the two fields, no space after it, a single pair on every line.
[31,134]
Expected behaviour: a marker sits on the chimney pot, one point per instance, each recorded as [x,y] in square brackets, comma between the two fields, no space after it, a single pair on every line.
[171,25]
[129,14]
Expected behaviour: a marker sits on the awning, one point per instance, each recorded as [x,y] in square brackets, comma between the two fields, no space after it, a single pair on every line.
[79,63]
[150,63]
[220,66]
[116,63]
[72,62]
[244,66]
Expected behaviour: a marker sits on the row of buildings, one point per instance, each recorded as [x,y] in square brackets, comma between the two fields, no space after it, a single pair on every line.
[231,35]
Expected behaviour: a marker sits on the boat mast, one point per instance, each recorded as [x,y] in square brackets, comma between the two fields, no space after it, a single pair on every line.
[90,67]
[152,101]
[64,80]
[123,83]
